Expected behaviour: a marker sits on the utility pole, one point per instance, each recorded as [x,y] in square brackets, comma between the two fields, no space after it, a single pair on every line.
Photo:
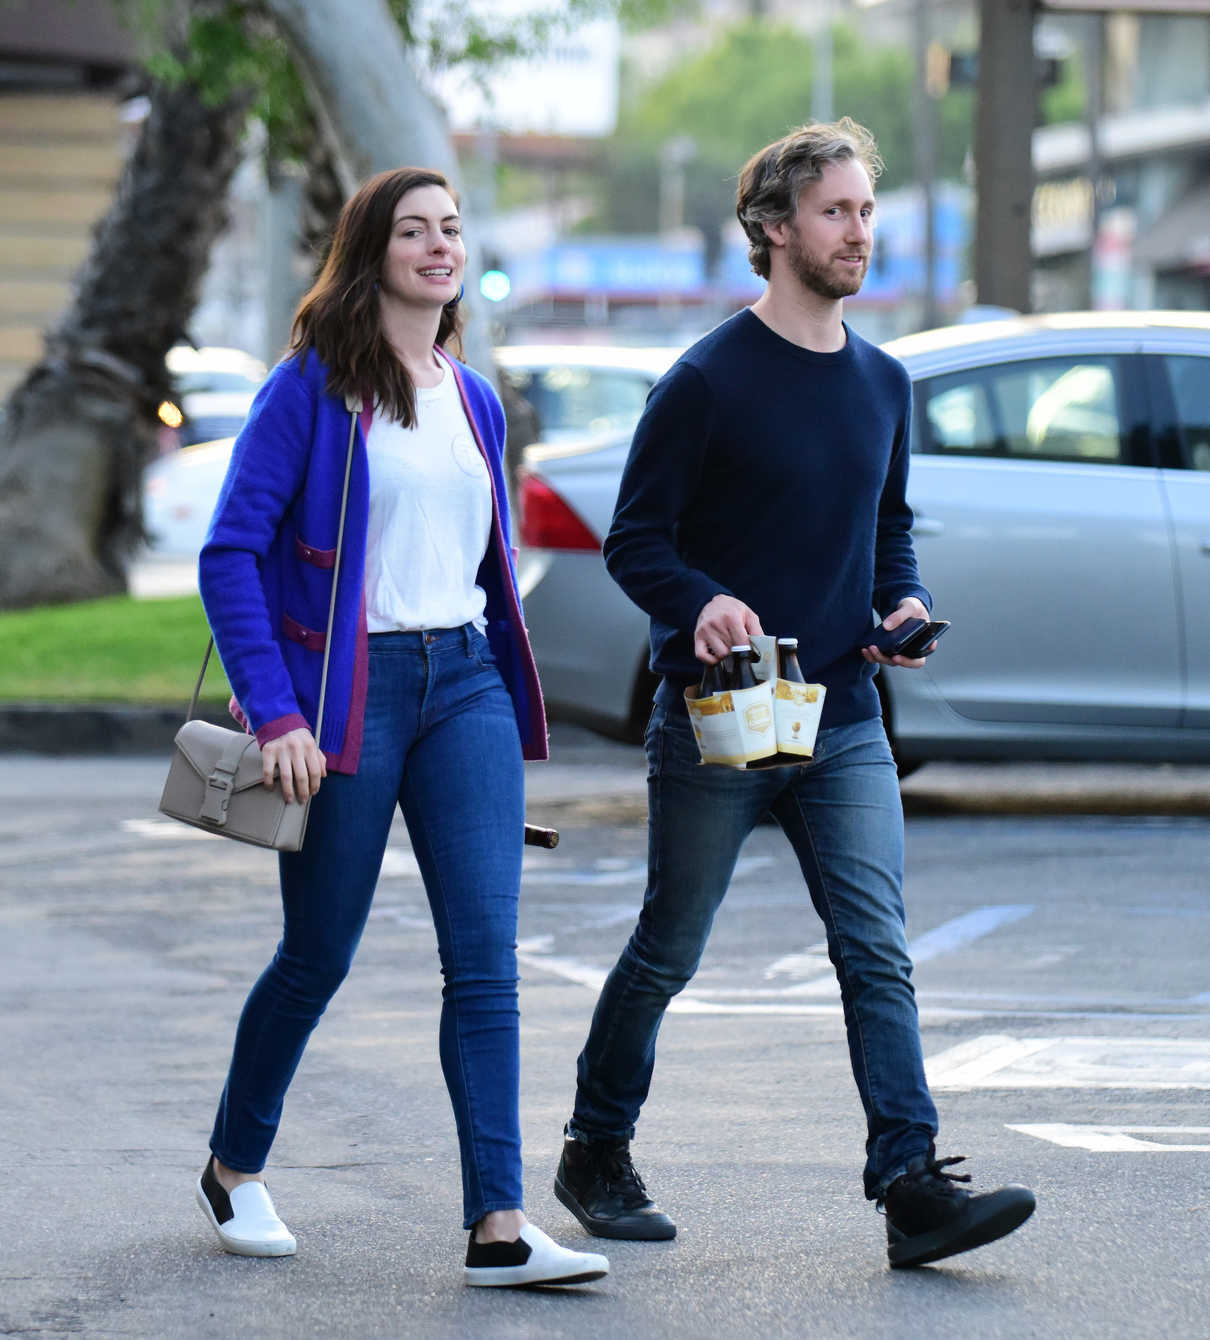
[822,94]
[1003,154]
[925,114]
[1095,77]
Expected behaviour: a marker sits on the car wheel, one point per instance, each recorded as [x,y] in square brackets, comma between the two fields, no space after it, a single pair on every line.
[645,685]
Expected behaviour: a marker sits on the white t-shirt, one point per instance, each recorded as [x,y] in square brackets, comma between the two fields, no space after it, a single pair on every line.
[430,517]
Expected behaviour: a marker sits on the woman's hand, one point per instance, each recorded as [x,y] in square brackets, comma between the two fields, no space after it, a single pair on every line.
[296,757]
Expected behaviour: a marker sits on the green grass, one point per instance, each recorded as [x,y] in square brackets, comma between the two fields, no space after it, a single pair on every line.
[114,650]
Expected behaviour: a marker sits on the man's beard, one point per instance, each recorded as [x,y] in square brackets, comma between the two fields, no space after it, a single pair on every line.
[818,276]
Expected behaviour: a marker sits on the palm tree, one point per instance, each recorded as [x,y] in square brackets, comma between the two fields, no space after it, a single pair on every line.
[80,426]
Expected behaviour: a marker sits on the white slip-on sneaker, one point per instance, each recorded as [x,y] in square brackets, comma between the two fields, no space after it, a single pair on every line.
[532,1259]
[245,1220]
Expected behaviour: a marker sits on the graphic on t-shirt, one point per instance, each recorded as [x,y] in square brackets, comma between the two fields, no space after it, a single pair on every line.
[466,454]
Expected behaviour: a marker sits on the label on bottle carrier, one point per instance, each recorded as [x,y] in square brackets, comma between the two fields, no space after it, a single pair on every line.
[796,712]
[734,727]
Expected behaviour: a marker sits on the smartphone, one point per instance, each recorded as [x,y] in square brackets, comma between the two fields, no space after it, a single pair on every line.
[923,638]
[891,641]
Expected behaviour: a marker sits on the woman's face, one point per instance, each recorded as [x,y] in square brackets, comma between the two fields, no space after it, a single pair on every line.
[425,257]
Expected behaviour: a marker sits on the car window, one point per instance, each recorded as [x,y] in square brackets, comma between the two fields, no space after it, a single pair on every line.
[1190,378]
[208,380]
[569,399]
[1052,409]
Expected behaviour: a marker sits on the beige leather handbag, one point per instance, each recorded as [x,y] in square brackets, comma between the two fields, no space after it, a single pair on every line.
[215,780]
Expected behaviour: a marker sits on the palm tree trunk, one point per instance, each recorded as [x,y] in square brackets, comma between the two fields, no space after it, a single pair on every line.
[373,111]
[79,427]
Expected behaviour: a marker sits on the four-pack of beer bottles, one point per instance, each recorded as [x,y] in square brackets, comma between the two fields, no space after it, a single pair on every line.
[753,708]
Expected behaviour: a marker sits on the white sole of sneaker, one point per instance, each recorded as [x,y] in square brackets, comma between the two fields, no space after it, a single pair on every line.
[516,1277]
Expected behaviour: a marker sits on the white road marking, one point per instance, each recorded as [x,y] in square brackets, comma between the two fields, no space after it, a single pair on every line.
[1116,1139]
[944,939]
[997,1061]
[583,974]
[807,963]
[537,869]
[611,873]
[961,931]
[165,830]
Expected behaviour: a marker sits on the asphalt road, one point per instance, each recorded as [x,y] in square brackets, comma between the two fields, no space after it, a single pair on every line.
[1061,925]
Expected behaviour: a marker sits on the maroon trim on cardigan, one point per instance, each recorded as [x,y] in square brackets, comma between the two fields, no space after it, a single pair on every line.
[350,749]
[304,636]
[538,748]
[279,726]
[321,558]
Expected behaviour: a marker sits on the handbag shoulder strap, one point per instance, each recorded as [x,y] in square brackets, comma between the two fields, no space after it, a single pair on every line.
[353,403]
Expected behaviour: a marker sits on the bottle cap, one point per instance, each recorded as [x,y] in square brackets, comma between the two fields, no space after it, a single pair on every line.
[787,642]
[742,646]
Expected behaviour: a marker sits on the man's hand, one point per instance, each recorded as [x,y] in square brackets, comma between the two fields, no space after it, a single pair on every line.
[723,623]
[908,608]
[296,757]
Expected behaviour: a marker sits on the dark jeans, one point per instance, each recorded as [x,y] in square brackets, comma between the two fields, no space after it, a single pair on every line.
[441,742]
[843,817]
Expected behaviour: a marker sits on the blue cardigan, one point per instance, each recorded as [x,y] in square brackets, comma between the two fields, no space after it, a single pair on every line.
[265,570]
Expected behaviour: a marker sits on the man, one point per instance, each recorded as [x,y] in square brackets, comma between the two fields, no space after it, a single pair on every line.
[765,489]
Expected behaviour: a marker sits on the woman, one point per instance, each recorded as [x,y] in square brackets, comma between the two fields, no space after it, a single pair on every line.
[432,697]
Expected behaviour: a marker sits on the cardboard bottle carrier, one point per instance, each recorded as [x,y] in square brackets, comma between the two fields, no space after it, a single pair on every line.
[770,726]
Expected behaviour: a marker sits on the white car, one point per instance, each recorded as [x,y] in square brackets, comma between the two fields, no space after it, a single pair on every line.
[1060,481]
[179,493]
[580,394]
[215,387]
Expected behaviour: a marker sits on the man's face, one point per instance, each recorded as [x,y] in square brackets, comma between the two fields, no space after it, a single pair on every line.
[829,240]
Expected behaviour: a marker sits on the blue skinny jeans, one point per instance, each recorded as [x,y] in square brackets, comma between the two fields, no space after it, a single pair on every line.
[440,740]
[843,817]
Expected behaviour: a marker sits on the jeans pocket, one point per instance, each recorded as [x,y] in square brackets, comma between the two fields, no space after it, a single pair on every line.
[481,649]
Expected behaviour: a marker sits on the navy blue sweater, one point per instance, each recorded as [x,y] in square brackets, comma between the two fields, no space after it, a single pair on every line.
[776,475]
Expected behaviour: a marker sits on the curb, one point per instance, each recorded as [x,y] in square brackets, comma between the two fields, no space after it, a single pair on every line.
[106,728]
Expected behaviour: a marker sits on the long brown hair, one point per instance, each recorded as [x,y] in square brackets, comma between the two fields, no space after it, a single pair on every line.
[339,317]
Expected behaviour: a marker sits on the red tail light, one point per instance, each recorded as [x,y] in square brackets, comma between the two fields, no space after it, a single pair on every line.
[547,522]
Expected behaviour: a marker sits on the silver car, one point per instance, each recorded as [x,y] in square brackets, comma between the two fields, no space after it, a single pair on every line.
[1060,481]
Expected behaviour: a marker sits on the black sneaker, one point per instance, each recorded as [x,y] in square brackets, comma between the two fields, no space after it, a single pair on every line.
[600,1186]
[928,1216]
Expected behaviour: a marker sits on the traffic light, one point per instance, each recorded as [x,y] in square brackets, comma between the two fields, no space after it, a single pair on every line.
[495,285]
[945,69]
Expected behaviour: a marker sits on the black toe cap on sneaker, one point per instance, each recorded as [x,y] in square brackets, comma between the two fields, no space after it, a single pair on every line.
[647,1223]
[982,1220]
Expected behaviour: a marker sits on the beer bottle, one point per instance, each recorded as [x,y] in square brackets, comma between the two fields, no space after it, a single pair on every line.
[743,676]
[712,680]
[787,660]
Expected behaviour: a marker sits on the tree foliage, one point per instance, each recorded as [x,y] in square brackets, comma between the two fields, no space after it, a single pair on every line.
[229,45]
[750,86]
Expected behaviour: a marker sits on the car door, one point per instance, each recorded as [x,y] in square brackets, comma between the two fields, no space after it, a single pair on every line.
[1180,387]
[1041,531]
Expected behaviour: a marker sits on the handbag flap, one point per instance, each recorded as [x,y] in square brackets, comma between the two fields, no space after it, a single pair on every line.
[204,745]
